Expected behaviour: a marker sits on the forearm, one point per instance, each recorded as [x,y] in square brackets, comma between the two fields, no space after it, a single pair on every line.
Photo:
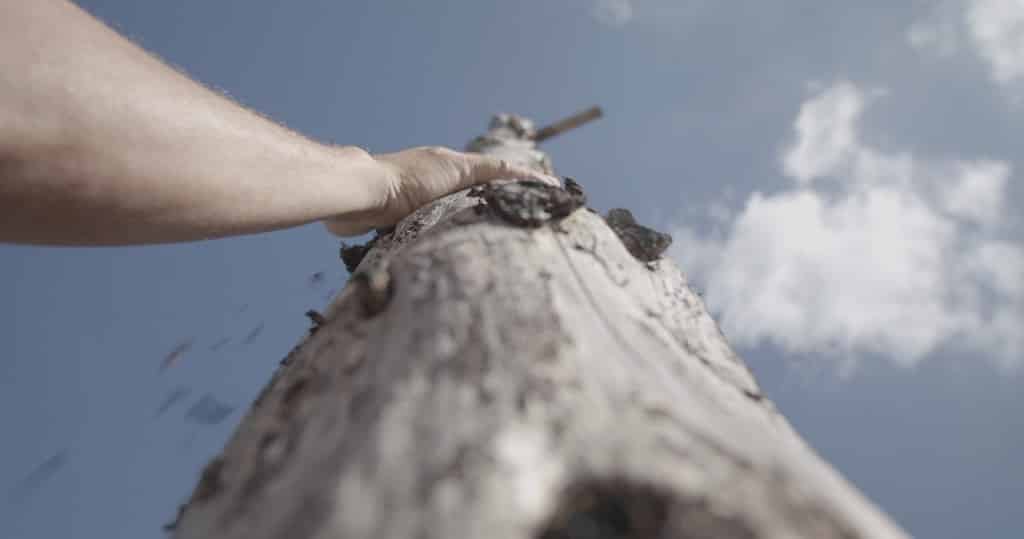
[100,143]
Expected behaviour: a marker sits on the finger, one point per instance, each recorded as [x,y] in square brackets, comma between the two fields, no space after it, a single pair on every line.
[550,180]
[484,169]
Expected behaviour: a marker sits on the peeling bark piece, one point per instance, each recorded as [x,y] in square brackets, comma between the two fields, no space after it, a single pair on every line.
[210,482]
[173,525]
[352,255]
[374,289]
[317,319]
[753,395]
[529,203]
[574,188]
[286,361]
[645,244]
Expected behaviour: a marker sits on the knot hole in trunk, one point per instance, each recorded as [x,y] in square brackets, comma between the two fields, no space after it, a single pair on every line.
[617,508]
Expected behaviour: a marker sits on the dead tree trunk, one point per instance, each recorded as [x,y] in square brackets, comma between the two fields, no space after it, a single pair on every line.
[506,365]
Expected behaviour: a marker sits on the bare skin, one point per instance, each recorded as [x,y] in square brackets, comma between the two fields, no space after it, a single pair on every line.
[103,144]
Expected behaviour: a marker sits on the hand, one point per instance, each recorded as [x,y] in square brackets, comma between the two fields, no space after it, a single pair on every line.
[404,181]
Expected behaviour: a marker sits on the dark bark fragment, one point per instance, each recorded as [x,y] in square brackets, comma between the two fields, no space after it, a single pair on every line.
[317,319]
[574,188]
[172,525]
[644,243]
[288,358]
[753,395]
[352,255]
[528,203]
[210,482]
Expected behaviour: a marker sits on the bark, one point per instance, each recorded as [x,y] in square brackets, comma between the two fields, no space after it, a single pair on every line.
[482,376]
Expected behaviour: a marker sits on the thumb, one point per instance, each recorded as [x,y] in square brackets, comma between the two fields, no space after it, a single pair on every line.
[347,227]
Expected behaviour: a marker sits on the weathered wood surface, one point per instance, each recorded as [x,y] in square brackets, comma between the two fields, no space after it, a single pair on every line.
[518,383]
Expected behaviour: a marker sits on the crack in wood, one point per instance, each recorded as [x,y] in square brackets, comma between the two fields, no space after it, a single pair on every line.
[620,277]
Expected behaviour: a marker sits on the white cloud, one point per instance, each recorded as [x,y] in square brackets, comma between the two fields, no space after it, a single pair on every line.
[940,32]
[897,257]
[613,12]
[993,29]
[825,132]
[976,195]
[997,30]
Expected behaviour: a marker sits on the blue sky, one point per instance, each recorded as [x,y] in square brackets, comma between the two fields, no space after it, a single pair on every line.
[842,178]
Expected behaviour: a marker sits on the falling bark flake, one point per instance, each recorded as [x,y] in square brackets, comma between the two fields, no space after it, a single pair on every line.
[208,411]
[256,331]
[172,398]
[176,353]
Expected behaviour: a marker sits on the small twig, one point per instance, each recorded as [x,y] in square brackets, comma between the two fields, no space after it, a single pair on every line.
[572,122]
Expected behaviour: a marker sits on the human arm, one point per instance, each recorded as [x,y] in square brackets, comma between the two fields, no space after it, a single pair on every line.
[102,143]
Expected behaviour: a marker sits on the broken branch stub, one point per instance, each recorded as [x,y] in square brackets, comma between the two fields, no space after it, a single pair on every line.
[572,122]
